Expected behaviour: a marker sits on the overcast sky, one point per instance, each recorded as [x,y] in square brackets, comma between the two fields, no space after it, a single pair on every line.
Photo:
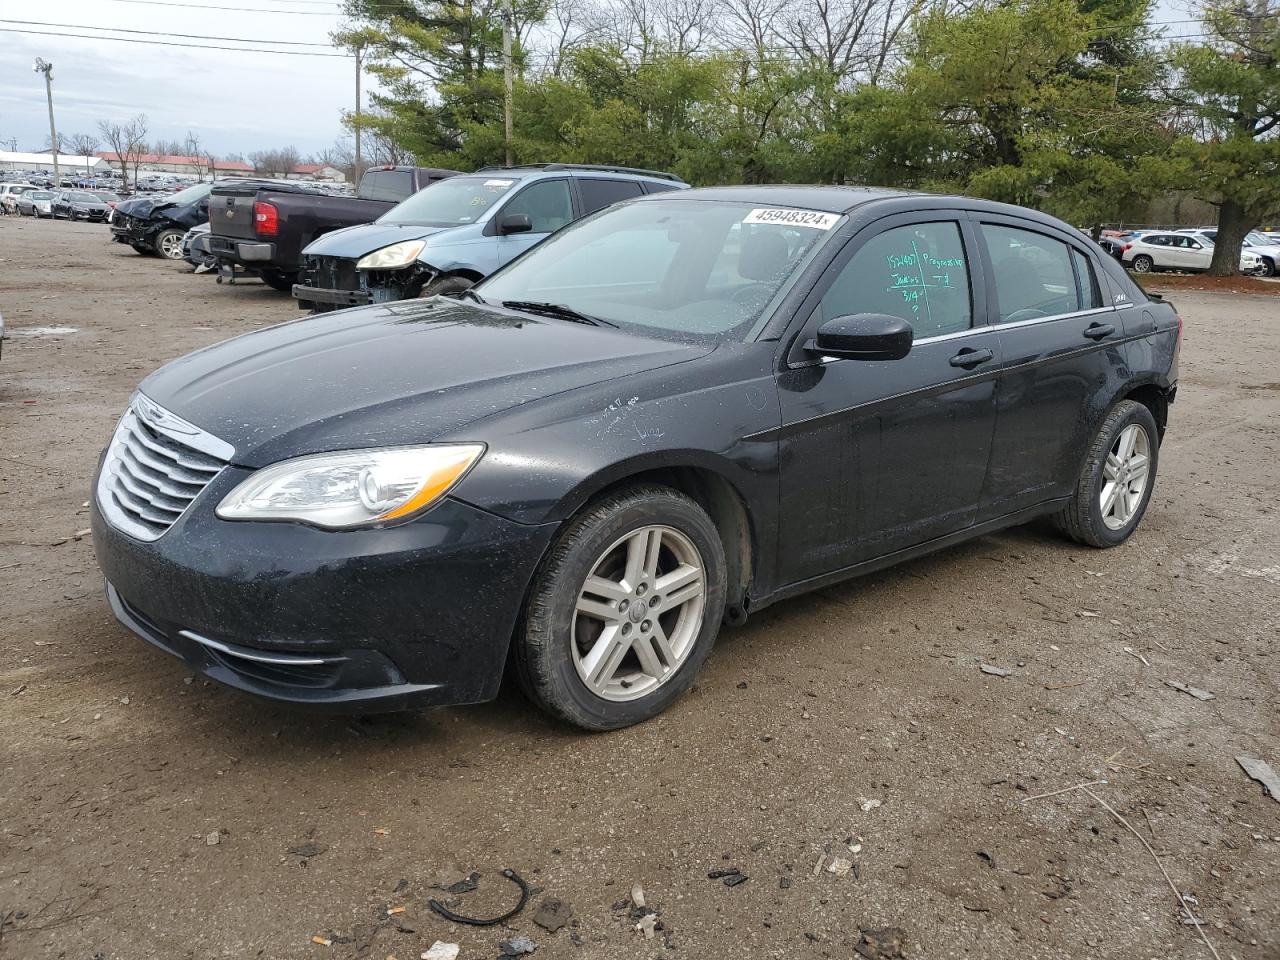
[236,101]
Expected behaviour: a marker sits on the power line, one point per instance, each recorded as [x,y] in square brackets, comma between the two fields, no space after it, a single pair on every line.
[168,33]
[192,46]
[206,6]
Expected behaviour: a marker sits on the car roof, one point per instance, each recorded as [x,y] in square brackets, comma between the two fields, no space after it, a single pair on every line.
[533,170]
[829,199]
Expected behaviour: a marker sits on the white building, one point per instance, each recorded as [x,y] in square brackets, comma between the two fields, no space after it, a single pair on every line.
[68,165]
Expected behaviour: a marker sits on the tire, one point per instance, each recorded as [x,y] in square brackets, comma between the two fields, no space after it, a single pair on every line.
[1143,264]
[168,243]
[279,280]
[446,286]
[1083,518]
[1268,268]
[553,649]
[143,249]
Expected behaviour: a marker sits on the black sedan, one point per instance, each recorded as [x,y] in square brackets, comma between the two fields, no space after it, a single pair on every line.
[667,416]
[79,205]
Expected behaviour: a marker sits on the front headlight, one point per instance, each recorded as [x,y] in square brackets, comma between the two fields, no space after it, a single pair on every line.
[351,488]
[389,258]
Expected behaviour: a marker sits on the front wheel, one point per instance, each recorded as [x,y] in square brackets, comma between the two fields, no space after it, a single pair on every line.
[168,244]
[1143,264]
[446,287]
[1268,268]
[1114,487]
[624,610]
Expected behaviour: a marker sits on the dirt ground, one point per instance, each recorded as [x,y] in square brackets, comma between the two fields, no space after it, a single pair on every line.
[117,769]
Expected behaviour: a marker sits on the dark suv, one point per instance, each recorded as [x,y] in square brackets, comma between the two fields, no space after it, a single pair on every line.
[668,415]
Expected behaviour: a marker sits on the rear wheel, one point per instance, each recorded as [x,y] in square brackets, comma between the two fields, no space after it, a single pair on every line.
[143,249]
[624,610]
[1143,264]
[446,286]
[168,244]
[1114,487]
[279,280]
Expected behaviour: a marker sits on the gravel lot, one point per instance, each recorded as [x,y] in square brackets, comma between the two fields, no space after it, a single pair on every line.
[118,769]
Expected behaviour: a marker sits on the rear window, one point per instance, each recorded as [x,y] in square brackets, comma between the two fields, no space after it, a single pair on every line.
[392,185]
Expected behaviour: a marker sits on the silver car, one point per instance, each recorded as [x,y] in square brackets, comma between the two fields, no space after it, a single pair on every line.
[35,203]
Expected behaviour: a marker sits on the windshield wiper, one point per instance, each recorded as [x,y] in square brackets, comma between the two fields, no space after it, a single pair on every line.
[558,310]
[473,295]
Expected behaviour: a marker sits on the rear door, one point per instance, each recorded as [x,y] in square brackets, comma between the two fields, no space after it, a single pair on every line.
[1062,351]
[596,193]
[878,456]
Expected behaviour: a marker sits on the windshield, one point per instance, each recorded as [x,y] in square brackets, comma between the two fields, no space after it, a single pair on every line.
[447,203]
[81,197]
[689,269]
[107,197]
[1256,239]
[40,194]
[191,194]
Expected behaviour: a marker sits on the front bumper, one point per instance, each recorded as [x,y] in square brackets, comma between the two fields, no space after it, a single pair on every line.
[366,620]
[342,298]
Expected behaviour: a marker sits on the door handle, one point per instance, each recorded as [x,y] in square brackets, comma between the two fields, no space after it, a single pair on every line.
[1098,331]
[969,358]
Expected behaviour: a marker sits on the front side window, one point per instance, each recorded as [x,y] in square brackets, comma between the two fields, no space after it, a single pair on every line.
[690,270]
[918,272]
[1033,274]
[546,204]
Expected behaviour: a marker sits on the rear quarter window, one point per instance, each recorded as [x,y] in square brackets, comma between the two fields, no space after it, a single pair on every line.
[598,194]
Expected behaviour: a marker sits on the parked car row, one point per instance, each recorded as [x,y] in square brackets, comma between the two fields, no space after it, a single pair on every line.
[1188,249]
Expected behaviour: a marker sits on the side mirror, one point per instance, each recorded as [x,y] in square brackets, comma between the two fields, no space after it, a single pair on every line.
[864,336]
[514,223]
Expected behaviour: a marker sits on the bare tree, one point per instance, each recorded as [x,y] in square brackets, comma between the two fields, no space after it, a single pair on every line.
[83,144]
[128,141]
[192,147]
[275,163]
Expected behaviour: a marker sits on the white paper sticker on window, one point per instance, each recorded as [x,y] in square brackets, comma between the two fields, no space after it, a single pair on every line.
[793,218]
[498,183]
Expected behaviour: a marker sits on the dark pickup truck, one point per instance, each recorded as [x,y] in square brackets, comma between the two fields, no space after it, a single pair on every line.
[262,230]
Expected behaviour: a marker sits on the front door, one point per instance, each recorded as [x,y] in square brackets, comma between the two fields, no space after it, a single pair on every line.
[877,456]
[547,205]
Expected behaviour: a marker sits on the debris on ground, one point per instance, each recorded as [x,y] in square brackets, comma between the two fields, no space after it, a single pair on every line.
[987,858]
[465,885]
[731,876]
[517,946]
[1133,653]
[308,850]
[552,914]
[840,866]
[817,867]
[1261,771]
[868,805]
[322,941]
[885,943]
[441,951]
[213,839]
[994,671]
[647,924]
[511,875]
[1194,691]
[382,831]
[637,895]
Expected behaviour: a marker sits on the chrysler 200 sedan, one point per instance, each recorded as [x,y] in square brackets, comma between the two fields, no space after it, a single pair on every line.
[667,416]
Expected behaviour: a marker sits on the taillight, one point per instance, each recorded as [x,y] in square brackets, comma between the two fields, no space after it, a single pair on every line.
[1126,247]
[266,218]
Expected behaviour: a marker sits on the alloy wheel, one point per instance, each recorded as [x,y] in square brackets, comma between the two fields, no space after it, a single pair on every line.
[1124,476]
[639,613]
[171,246]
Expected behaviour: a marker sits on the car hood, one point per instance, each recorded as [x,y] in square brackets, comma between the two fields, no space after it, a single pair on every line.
[351,243]
[398,373]
[138,206]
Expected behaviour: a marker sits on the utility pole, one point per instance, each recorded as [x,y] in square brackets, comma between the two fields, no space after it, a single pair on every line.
[359,67]
[43,66]
[507,17]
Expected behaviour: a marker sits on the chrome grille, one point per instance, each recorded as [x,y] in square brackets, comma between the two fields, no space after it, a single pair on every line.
[156,465]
